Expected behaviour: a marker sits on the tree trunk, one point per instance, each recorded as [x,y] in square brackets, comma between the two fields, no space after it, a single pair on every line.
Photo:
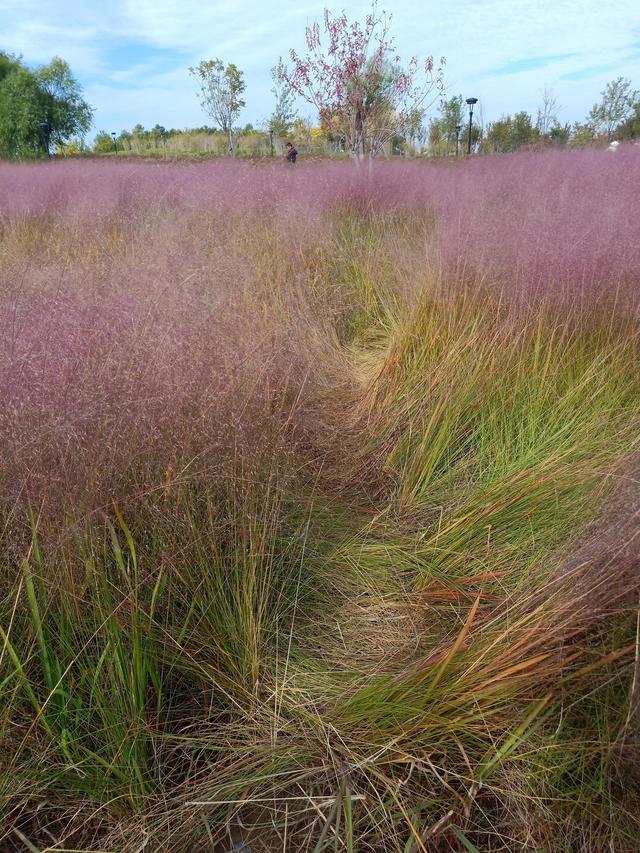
[358,138]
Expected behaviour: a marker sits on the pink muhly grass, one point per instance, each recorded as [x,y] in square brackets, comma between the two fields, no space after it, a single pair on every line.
[211,327]
[159,330]
[532,222]
[114,379]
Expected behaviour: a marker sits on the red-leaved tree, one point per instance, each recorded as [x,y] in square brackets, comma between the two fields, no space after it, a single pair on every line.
[354,77]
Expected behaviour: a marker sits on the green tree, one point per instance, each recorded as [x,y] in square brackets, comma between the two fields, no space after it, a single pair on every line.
[437,139]
[22,111]
[616,106]
[415,131]
[559,134]
[581,134]
[38,107]
[303,131]
[524,131]
[221,90]
[284,114]
[511,132]
[442,131]
[8,63]
[67,113]
[630,128]
[499,134]
[139,138]
[476,137]
[103,143]
[451,117]
[124,139]
[159,135]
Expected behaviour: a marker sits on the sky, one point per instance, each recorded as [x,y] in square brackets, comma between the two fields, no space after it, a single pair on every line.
[132,56]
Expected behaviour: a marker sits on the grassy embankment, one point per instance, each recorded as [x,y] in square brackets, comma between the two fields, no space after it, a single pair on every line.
[294,466]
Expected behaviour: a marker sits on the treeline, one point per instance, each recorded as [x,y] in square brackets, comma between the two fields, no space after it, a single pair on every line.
[615,116]
[204,141]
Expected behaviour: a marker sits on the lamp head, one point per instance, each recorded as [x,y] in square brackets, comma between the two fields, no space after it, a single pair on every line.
[472,101]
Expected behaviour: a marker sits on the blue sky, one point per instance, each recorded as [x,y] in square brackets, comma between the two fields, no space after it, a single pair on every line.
[132,56]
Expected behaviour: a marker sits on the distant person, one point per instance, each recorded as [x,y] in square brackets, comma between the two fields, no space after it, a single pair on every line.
[292,153]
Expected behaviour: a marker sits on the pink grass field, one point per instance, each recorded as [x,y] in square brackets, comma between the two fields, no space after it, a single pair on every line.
[305,506]
[555,219]
[137,302]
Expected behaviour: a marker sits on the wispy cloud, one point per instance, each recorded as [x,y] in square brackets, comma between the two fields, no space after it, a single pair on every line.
[530,64]
[588,71]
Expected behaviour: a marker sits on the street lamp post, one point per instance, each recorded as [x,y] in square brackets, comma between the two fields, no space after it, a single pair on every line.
[115,144]
[458,129]
[471,102]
